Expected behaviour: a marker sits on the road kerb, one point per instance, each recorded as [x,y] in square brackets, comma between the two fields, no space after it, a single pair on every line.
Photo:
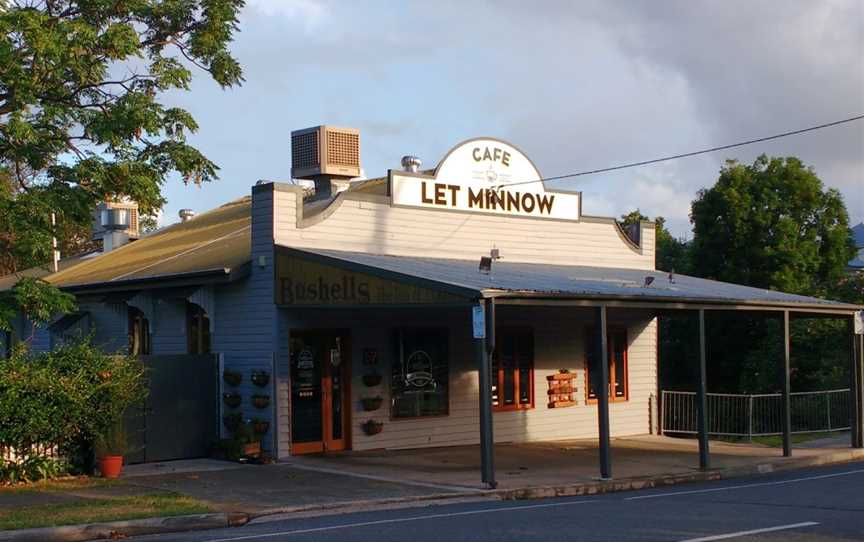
[120,529]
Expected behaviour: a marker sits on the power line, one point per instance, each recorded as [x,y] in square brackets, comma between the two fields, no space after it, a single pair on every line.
[694,153]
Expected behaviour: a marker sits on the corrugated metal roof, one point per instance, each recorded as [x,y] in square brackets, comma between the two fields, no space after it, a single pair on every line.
[568,281]
[217,239]
[41,271]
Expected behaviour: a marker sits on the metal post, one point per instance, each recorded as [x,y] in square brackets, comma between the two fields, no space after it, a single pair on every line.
[785,389]
[856,377]
[702,398]
[750,417]
[828,408]
[602,360]
[484,349]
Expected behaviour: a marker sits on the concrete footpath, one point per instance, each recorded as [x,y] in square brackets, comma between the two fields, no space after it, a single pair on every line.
[369,480]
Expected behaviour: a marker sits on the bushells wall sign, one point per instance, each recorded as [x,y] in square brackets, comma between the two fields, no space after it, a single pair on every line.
[485,175]
[309,283]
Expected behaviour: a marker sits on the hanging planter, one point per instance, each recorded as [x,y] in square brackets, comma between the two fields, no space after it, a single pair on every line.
[232,400]
[232,378]
[232,421]
[260,378]
[371,427]
[260,426]
[371,403]
[371,379]
[261,401]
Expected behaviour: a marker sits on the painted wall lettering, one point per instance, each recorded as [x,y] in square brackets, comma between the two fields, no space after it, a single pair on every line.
[485,176]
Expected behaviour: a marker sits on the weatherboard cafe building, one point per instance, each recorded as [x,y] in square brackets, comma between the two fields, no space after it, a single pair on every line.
[465,304]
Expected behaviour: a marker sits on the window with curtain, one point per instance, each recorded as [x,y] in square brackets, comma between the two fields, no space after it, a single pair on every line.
[197,329]
[513,370]
[139,333]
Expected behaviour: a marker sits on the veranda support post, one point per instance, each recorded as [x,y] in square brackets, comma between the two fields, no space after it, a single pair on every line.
[484,348]
[601,356]
[785,389]
[702,399]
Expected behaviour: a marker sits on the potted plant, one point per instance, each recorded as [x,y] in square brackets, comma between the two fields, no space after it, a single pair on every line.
[372,427]
[371,379]
[110,446]
[372,403]
[232,399]
[232,378]
[261,401]
[249,441]
[260,426]
[260,378]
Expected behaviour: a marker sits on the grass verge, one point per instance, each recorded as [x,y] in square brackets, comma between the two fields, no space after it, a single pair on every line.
[100,510]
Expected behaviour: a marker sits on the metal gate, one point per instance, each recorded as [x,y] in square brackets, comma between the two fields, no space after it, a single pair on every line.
[181,416]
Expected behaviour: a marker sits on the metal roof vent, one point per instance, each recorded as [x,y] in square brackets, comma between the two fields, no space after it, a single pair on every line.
[186,214]
[114,219]
[411,163]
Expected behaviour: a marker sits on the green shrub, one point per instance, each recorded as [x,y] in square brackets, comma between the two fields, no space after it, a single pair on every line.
[70,397]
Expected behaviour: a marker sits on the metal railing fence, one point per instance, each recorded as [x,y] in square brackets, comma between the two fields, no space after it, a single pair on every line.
[757,415]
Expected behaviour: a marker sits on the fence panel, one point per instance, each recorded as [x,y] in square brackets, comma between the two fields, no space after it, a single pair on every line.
[756,415]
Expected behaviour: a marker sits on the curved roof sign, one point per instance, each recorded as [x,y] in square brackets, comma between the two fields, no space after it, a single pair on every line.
[485,175]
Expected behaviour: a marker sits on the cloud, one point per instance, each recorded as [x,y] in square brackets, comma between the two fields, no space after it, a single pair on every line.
[310,13]
[578,86]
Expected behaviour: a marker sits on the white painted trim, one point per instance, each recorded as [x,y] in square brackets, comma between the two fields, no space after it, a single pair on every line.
[739,534]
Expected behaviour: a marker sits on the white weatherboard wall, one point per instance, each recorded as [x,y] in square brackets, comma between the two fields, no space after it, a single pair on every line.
[559,343]
[368,223]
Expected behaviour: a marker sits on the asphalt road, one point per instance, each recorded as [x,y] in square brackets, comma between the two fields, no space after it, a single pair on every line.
[814,505]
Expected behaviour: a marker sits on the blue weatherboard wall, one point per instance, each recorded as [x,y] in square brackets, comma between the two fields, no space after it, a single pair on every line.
[246,316]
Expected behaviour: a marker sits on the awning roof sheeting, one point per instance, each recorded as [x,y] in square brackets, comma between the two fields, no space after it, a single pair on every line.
[511,279]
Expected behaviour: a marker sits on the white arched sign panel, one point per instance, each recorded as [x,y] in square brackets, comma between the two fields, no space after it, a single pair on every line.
[485,175]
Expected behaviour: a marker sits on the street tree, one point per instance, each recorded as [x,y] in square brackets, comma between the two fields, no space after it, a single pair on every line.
[672,253]
[81,119]
[773,225]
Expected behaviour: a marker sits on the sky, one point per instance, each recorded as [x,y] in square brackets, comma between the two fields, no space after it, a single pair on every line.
[576,85]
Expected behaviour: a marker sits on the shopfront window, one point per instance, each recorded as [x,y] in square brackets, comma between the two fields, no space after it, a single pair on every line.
[617,360]
[419,385]
[513,370]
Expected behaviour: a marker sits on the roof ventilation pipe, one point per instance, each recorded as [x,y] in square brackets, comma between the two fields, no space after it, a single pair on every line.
[115,225]
[411,164]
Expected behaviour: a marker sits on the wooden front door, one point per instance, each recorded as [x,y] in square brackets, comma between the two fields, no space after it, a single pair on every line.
[320,391]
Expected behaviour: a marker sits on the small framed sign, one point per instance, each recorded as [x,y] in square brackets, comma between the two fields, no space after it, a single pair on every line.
[370,356]
[478,321]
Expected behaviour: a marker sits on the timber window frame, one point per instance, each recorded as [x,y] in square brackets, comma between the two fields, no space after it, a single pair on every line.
[198,339]
[619,367]
[138,329]
[515,348]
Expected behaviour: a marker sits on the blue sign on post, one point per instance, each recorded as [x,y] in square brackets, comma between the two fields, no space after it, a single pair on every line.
[478,321]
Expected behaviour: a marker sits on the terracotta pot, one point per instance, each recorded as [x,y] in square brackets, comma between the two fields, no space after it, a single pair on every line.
[253,449]
[110,466]
[232,400]
[372,427]
[260,427]
[231,378]
[261,401]
[371,403]
[260,378]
